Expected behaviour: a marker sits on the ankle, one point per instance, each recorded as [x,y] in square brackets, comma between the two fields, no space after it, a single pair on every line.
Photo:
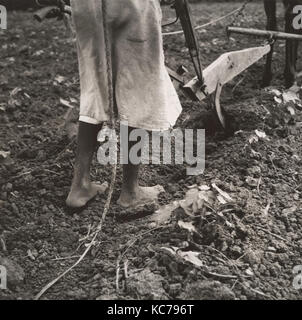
[132,189]
[83,183]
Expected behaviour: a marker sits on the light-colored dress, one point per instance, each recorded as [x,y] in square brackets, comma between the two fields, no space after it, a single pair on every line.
[144,94]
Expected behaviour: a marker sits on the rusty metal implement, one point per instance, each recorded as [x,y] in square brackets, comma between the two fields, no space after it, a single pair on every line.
[224,69]
[265,33]
[183,12]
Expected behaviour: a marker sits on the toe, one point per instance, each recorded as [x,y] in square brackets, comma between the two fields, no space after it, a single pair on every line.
[159,189]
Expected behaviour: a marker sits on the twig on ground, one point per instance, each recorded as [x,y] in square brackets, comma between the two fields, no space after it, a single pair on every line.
[258,292]
[4,249]
[65,258]
[218,275]
[272,234]
[126,263]
[258,186]
[118,268]
[20,175]
[233,286]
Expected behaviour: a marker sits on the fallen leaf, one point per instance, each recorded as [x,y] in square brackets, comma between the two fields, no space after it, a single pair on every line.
[204,188]
[266,210]
[221,199]
[278,100]
[276,92]
[30,255]
[4,154]
[163,214]
[253,139]
[260,134]
[289,96]
[66,103]
[187,226]
[191,256]
[222,193]
[60,79]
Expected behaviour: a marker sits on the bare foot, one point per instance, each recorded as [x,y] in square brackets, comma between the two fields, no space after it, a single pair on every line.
[78,197]
[141,196]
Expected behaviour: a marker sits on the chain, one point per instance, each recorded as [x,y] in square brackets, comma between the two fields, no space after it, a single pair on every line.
[108,50]
[108,64]
[240,12]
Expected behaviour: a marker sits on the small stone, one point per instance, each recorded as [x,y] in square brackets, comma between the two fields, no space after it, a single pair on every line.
[249,272]
[146,284]
[262,269]
[15,209]
[4,196]
[175,289]
[252,182]
[237,250]
[252,256]
[78,294]
[43,192]
[207,290]
[254,171]
[9,187]
[296,196]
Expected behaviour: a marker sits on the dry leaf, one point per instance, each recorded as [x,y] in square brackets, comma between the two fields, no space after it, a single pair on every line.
[290,96]
[66,103]
[187,226]
[163,214]
[222,193]
[253,139]
[278,100]
[260,134]
[191,256]
[4,154]
[60,79]
[204,188]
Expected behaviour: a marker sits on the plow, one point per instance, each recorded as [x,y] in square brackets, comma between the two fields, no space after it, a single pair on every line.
[208,81]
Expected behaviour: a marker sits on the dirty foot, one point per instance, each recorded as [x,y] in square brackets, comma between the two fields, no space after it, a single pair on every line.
[78,198]
[141,196]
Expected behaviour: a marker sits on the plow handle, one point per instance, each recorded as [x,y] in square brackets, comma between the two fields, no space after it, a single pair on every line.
[265,34]
[44,13]
[51,12]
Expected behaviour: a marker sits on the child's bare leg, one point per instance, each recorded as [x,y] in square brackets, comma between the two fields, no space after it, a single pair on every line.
[132,193]
[82,189]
